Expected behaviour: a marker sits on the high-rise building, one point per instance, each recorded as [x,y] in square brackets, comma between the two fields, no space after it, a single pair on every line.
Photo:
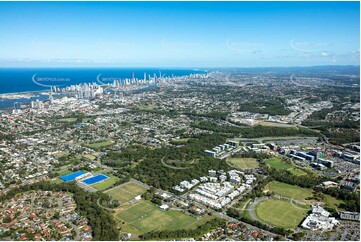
[17,105]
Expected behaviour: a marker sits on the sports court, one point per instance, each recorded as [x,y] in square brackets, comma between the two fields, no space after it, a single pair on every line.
[72,176]
[95,179]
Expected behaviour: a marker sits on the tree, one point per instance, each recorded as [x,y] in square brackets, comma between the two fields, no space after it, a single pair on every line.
[56,215]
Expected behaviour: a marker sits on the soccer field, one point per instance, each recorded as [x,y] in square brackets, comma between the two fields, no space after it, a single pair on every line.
[243,163]
[277,163]
[144,216]
[281,213]
[291,191]
[126,192]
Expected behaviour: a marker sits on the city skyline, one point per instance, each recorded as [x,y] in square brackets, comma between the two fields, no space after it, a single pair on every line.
[179,34]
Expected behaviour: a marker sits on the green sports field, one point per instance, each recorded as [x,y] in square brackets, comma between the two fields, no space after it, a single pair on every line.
[101,186]
[126,192]
[281,213]
[97,145]
[243,163]
[69,120]
[144,216]
[279,164]
[291,191]
[64,172]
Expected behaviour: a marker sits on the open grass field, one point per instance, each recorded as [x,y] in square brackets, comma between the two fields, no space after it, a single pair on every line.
[144,107]
[297,172]
[126,192]
[280,213]
[274,124]
[69,120]
[59,154]
[64,172]
[101,186]
[90,157]
[277,163]
[56,181]
[291,191]
[98,145]
[144,216]
[332,202]
[243,163]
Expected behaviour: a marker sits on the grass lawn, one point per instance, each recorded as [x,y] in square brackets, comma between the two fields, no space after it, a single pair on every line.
[90,157]
[332,202]
[97,170]
[280,213]
[85,120]
[126,192]
[144,216]
[143,107]
[243,163]
[69,120]
[101,186]
[297,172]
[277,163]
[205,218]
[65,172]
[98,145]
[59,154]
[291,191]
[56,181]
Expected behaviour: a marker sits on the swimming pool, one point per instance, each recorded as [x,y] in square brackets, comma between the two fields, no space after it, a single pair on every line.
[72,176]
[95,179]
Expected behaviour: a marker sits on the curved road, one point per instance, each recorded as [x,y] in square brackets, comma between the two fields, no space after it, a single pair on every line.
[173,167]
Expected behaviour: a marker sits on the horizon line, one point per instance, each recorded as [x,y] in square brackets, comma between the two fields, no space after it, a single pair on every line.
[179,67]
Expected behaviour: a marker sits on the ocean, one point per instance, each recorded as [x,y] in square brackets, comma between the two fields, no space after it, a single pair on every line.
[18,80]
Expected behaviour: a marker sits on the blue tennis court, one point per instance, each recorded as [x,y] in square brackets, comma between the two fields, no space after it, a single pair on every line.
[95,179]
[72,176]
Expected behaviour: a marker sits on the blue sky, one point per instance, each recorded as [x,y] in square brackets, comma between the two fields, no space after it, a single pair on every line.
[179,34]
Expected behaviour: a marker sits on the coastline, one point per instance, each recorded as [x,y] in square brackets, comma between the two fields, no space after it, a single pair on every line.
[24,92]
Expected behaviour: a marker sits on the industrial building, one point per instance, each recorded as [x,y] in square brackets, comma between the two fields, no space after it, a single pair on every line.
[350,216]
[319,219]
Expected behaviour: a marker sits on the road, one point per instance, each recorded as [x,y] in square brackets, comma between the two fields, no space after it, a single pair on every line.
[252,206]
[173,167]
[228,218]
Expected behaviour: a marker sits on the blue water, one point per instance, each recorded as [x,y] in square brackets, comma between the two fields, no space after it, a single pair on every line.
[72,176]
[15,80]
[95,179]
